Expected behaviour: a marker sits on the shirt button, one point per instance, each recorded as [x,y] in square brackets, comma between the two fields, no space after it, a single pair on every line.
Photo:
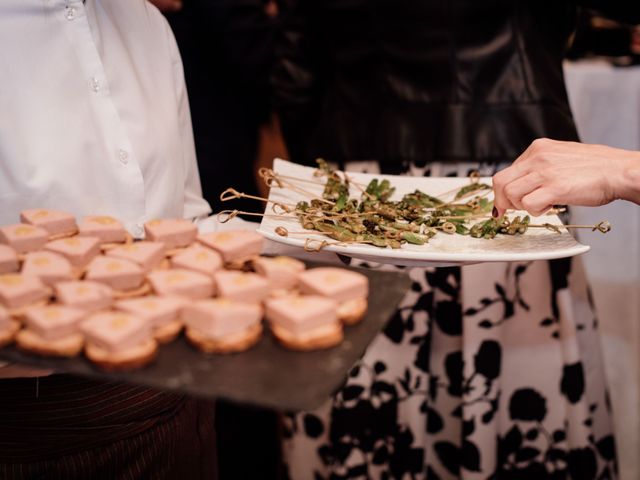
[71,13]
[94,83]
[123,156]
[138,230]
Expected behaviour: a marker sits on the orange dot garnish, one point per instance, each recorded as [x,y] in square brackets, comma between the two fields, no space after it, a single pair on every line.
[223,237]
[41,261]
[202,255]
[150,305]
[119,322]
[52,314]
[175,278]
[297,301]
[331,278]
[11,279]
[241,280]
[23,230]
[103,220]
[113,266]
[284,260]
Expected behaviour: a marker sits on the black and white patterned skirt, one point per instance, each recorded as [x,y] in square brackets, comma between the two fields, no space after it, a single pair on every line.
[489,371]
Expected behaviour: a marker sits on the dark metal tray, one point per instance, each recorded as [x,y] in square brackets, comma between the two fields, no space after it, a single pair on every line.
[265,376]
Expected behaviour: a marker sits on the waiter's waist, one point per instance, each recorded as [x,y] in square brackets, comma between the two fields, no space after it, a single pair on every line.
[59,414]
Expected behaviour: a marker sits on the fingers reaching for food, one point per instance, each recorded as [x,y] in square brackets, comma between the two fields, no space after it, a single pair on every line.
[554,172]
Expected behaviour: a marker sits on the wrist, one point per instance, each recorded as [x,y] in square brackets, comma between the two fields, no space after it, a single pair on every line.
[627,184]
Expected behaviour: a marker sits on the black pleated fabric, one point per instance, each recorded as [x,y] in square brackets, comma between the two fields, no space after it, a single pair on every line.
[69,427]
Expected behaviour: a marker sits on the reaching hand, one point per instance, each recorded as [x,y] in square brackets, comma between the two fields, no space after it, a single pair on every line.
[552,172]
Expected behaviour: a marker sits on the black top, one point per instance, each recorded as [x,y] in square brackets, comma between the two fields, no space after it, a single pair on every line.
[409,80]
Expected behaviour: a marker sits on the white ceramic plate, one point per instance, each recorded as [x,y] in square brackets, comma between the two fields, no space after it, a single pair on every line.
[443,249]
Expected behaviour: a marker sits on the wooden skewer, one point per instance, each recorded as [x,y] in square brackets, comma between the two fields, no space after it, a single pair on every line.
[285,232]
[225,215]
[268,174]
[308,244]
[320,173]
[357,185]
[232,194]
[270,178]
[476,193]
[474,177]
[602,227]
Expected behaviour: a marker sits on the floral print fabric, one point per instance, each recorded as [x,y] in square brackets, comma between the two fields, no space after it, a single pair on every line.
[488,371]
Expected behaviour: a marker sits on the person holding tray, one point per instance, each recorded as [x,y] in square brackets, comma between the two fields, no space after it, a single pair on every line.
[552,172]
[95,120]
[486,371]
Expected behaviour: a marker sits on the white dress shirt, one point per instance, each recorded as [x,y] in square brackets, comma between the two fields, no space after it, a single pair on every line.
[94,117]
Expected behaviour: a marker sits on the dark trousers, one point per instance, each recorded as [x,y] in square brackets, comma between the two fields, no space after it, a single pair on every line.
[82,429]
